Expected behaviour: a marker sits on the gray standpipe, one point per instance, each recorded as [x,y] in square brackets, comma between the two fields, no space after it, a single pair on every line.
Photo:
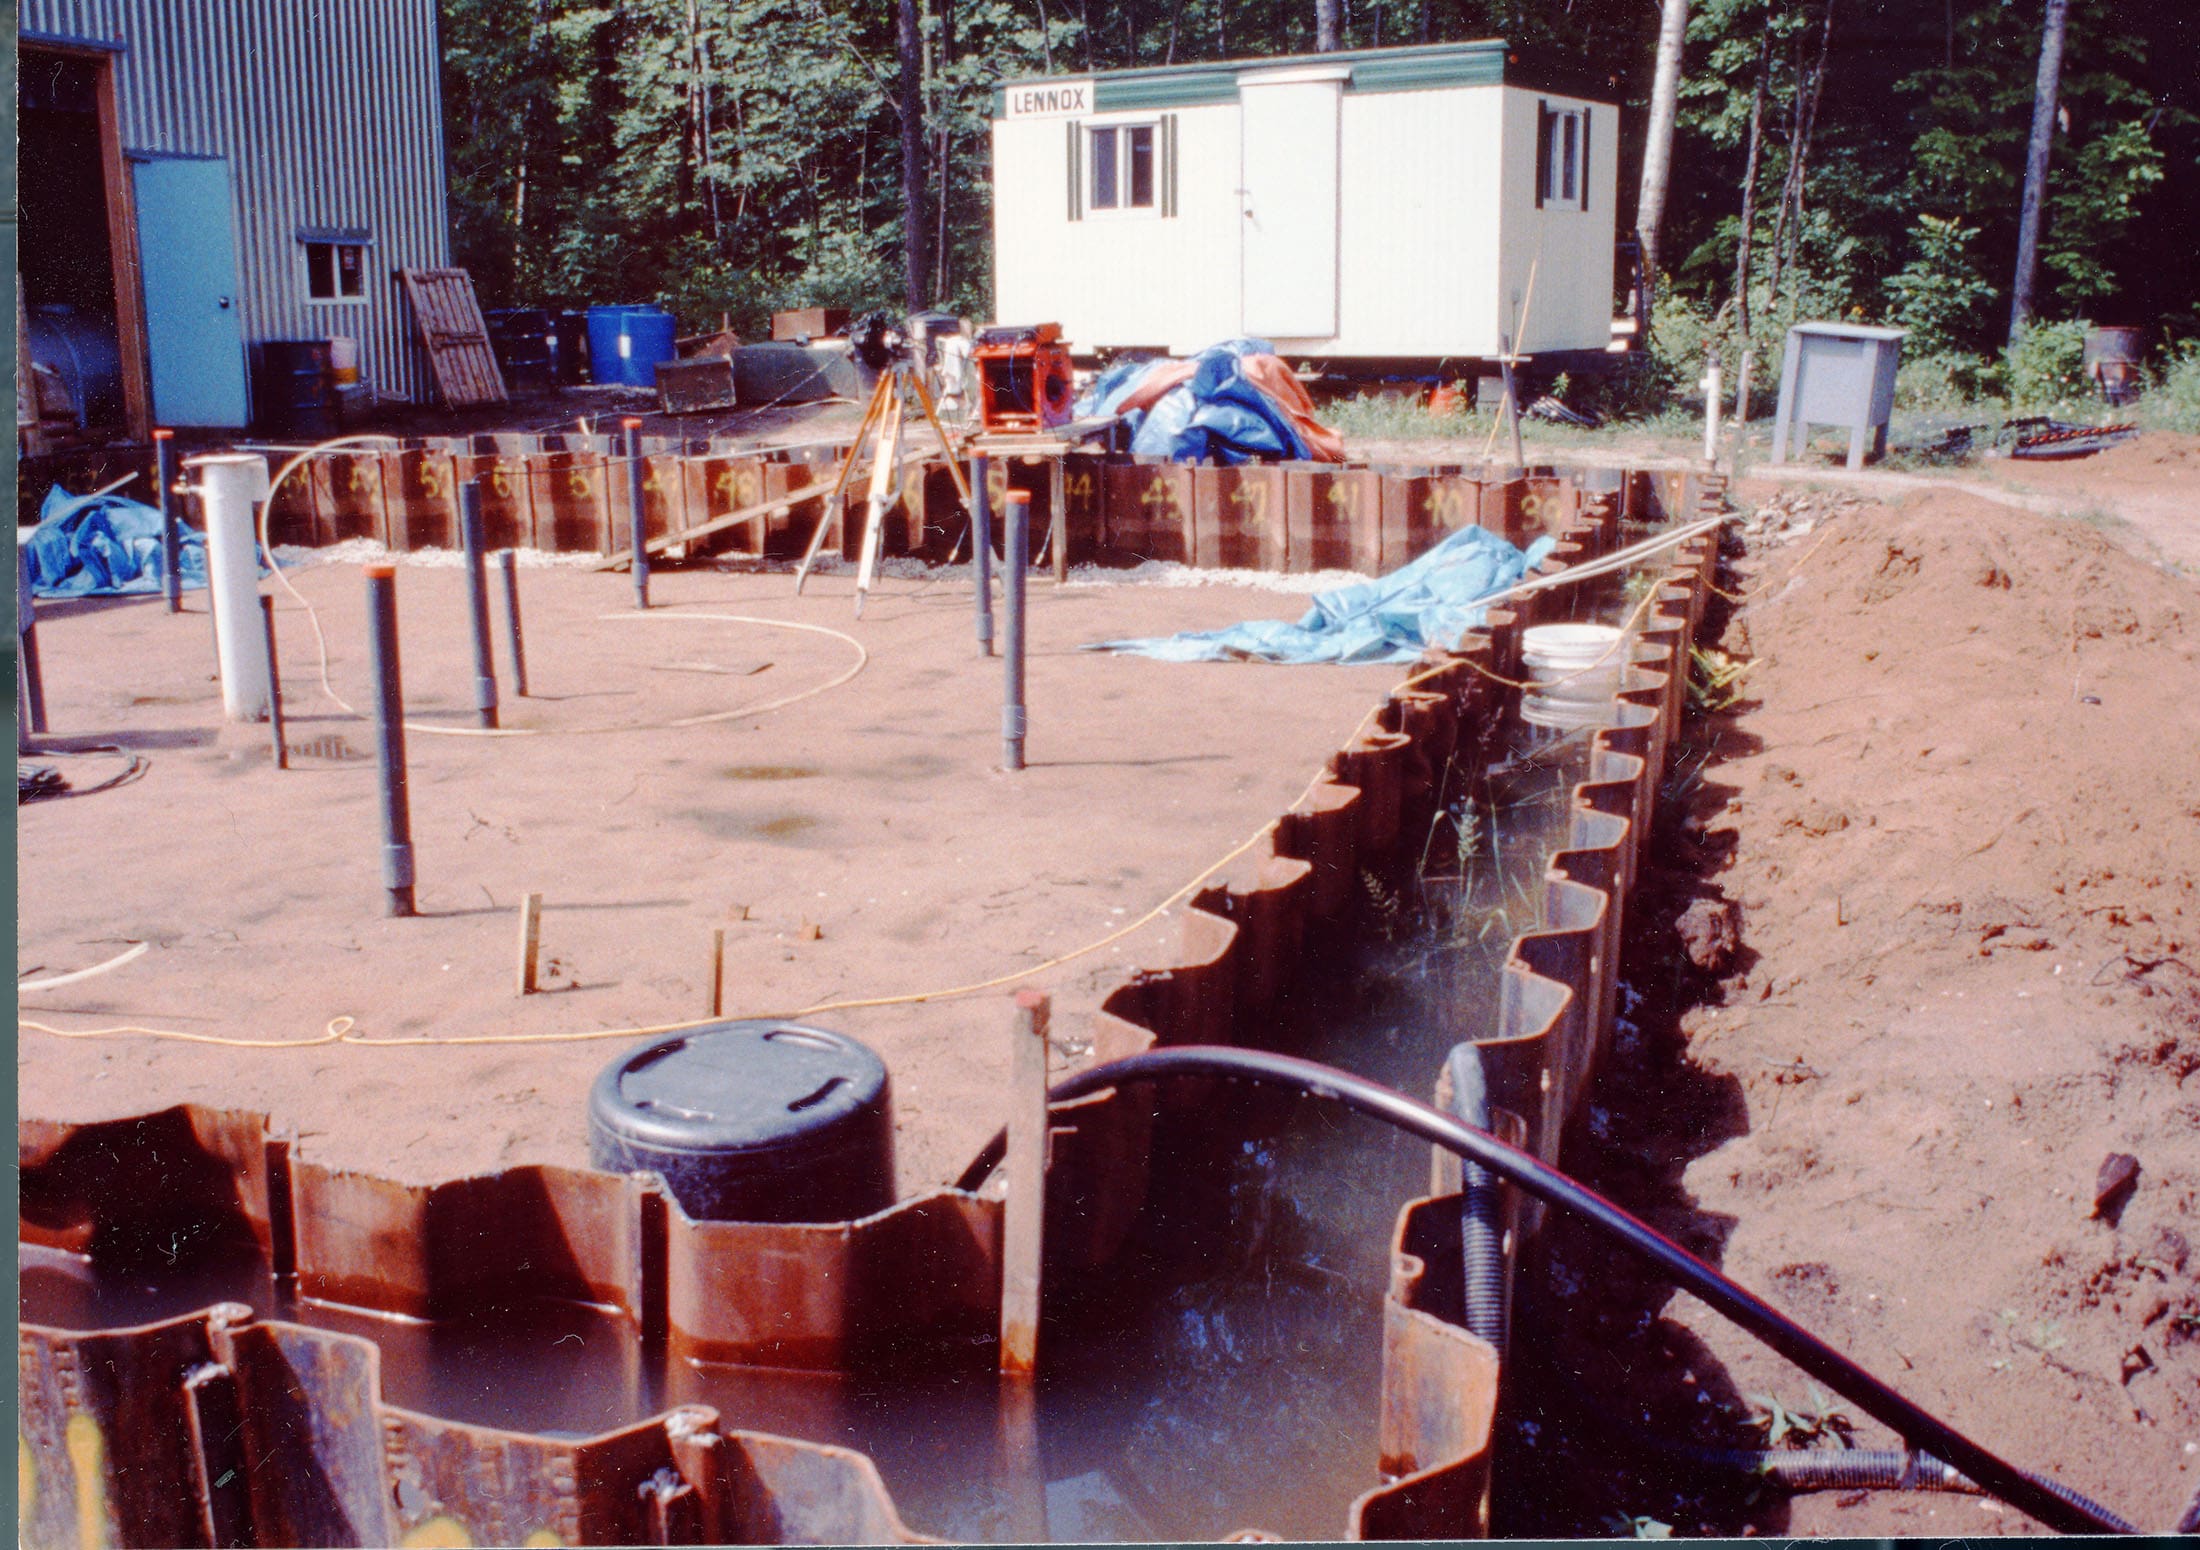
[477,599]
[389,739]
[1013,722]
[30,678]
[509,564]
[638,527]
[171,536]
[981,546]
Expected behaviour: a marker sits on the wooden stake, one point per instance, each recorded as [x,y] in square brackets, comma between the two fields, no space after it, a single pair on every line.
[530,940]
[1024,1230]
[718,971]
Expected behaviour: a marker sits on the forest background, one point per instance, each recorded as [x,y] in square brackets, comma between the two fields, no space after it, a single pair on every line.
[739,156]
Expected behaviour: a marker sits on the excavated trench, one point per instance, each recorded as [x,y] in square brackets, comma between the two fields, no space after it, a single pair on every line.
[1241,1328]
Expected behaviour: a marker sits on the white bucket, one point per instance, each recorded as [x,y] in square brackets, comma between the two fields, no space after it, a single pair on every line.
[343,360]
[1577,669]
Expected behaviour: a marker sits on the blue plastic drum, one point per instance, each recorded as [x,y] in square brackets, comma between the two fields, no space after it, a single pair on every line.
[625,343]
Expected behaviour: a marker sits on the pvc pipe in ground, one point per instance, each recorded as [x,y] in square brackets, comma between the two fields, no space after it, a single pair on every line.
[1711,403]
[639,539]
[1014,723]
[477,602]
[229,485]
[171,536]
[395,799]
[509,565]
[981,547]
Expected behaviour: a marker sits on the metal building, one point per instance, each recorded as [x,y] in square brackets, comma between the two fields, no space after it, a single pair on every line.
[1420,203]
[198,177]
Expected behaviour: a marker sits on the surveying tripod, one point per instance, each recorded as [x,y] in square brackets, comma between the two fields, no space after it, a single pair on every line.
[900,384]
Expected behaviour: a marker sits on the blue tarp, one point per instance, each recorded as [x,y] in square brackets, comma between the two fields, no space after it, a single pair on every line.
[104,546]
[1431,602]
[1218,416]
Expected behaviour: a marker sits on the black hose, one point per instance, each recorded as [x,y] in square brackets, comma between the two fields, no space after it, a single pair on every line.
[1807,1469]
[1485,1281]
[2043,1500]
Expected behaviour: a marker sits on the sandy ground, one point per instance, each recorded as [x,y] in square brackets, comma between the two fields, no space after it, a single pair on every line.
[1955,817]
[2144,493]
[862,842]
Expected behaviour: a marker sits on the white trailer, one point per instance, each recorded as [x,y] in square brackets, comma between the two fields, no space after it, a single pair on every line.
[1415,204]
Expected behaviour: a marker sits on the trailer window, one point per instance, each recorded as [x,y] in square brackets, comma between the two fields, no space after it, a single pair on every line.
[1562,178]
[1122,167]
[336,271]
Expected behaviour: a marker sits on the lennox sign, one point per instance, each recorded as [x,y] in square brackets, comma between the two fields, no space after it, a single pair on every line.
[1050,99]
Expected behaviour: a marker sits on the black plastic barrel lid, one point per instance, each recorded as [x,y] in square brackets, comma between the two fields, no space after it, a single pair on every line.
[743,1086]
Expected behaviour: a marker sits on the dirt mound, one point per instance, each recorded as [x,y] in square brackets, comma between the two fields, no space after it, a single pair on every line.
[1957,810]
[2153,459]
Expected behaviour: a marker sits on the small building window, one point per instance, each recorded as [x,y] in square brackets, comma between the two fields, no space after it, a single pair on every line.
[1562,159]
[336,271]
[1122,167]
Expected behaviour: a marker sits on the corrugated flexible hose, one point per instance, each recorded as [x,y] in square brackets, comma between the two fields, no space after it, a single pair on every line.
[1481,1206]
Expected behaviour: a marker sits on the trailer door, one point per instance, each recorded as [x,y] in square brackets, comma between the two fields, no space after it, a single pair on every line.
[1289,152]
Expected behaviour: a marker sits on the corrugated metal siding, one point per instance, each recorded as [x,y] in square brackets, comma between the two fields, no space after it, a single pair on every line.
[330,112]
[94,20]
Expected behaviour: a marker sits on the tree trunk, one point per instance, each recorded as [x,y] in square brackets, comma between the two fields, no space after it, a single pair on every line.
[2035,164]
[909,52]
[1657,142]
[1046,43]
[1749,222]
[1328,26]
[1807,92]
[946,78]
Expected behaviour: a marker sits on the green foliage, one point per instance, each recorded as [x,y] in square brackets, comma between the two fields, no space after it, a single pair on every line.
[1939,296]
[740,156]
[1942,381]
[1818,1417]
[2172,401]
[2043,368]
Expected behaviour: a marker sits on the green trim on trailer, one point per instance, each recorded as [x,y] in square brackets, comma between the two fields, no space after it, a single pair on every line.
[1409,68]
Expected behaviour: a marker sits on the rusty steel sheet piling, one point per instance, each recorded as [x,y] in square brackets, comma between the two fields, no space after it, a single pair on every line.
[836,1297]
[223,1429]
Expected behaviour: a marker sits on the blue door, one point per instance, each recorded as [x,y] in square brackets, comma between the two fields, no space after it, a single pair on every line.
[187,249]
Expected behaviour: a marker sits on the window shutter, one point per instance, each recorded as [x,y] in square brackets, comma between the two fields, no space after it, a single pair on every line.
[1587,139]
[1168,164]
[1076,173]
[1542,149]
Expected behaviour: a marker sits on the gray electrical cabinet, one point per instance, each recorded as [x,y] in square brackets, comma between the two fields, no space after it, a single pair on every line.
[1837,374]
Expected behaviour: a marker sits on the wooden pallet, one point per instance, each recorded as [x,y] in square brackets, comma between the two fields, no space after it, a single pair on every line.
[449,320]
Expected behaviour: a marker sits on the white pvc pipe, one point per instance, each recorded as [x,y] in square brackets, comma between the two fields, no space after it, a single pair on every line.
[229,485]
[1711,406]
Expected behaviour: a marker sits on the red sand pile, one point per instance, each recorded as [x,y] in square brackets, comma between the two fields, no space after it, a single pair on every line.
[1955,817]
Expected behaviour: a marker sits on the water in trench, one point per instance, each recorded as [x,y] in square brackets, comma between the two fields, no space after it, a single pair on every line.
[1224,1374]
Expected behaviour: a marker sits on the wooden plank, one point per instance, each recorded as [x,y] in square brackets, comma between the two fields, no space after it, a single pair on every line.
[1023,1228]
[621,559]
[449,322]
